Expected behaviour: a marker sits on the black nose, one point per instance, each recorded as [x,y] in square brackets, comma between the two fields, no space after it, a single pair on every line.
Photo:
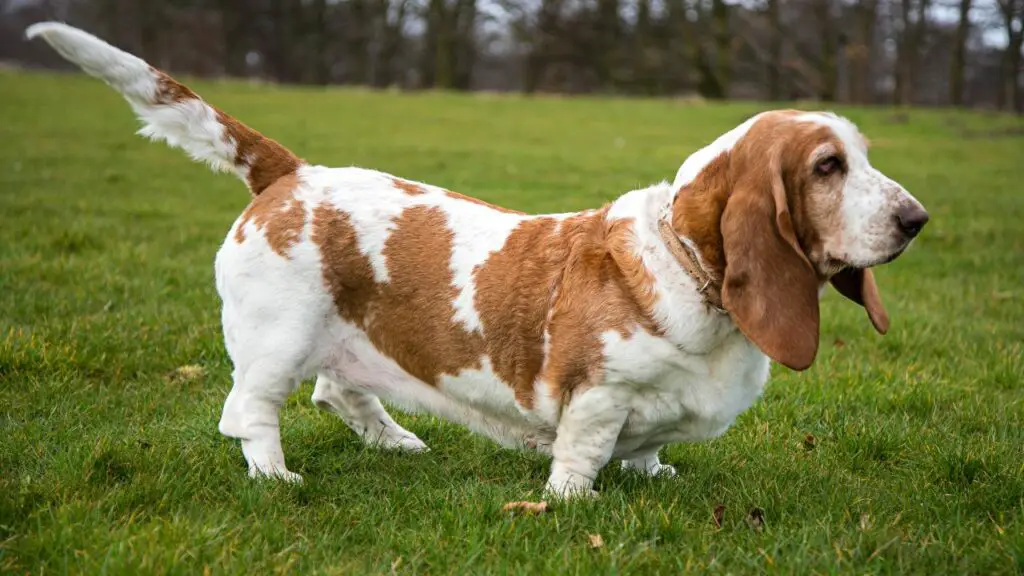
[911,218]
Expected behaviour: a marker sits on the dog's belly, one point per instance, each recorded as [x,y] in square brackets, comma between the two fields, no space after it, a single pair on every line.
[672,396]
[475,398]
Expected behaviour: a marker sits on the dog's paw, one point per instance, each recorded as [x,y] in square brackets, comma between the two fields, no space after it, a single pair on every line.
[275,474]
[666,470]
[570,491]
[649,468]
[390,439]
[405,444]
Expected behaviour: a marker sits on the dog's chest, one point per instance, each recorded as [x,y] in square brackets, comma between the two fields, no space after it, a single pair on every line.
[676,396]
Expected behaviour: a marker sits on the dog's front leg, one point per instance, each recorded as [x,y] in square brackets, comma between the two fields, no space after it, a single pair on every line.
[650,465]
[585,440]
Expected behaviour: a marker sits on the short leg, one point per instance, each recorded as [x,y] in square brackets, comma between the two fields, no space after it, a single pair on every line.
[251,414]
[584,443]
[650,465]
[365,415]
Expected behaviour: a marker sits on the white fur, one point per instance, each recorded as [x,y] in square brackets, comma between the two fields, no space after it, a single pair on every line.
[280,322]
[191,125]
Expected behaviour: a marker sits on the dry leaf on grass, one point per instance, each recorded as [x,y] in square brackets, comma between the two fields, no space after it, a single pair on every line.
[809,442]
[718,515]
[526,507]
[865,522]
[595,540]
[187,373]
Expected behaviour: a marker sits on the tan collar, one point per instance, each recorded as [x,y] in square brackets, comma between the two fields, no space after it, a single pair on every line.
[709,286]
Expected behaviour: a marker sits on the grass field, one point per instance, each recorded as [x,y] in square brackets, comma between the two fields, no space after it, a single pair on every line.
[895,454]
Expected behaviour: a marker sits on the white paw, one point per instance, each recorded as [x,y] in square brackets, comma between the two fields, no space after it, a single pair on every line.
[570,491]
[405,443]
[665,470]
[389,439]
[275,474]
[648,469]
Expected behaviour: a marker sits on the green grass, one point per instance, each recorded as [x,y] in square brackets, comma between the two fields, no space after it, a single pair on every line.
[110,465]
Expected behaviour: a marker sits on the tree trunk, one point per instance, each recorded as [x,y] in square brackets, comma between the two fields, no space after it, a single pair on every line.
[151,20]
[391,40]
[862,87]
[282,17]
[320,53]
[723,47]
[463,44]
[958,60]
[357,42]
[904,54]
[827,65]
[606,32]
[917,38]
[775,50]
[1013,19]
[235,38]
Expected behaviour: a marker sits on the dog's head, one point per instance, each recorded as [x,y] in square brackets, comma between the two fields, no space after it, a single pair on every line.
[783,204]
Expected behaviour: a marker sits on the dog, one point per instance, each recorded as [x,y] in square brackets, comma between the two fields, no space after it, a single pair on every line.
[590,336]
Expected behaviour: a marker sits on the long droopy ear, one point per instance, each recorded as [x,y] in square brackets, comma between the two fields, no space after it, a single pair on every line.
[770,288]
[858,284]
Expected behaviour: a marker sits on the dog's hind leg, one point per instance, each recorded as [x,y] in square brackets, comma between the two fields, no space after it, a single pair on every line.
[251,414]
[364,414]
[271,351]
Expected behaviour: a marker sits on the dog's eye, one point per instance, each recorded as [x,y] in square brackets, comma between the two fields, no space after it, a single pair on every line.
[828,166]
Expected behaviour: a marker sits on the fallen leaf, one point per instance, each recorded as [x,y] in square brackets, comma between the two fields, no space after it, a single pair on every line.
[839,343]
[865,522]
[595,540]
[526,507]
[187,373]
[755,519]
[718,515]
[809,442]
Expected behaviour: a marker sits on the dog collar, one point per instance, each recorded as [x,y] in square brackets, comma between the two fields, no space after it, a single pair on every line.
[709,287]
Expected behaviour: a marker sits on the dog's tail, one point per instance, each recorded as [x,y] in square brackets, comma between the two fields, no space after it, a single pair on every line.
[171,111]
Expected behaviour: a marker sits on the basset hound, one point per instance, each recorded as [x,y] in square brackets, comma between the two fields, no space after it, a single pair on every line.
[590,336]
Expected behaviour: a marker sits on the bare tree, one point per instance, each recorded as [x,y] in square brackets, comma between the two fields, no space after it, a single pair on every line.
[959,57]
[860,49]
[827,64]
[1012,12]
[774,50]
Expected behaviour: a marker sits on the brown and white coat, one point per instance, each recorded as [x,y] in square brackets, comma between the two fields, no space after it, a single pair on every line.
[581,335]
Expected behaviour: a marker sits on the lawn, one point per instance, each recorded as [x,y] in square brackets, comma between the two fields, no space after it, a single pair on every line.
[902,453]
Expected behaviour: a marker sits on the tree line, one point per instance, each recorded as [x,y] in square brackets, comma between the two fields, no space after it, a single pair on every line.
[920,52]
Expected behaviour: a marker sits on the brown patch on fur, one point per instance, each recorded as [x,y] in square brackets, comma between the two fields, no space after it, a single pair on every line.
[574,279]
[410,318]
[170,90]
[278,213]
[515,288]
[458,196]
[414,321]
[266,160]
[410,188]
[594,298]
[697,211]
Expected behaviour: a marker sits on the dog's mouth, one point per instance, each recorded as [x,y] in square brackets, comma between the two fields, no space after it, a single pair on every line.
[835,265]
